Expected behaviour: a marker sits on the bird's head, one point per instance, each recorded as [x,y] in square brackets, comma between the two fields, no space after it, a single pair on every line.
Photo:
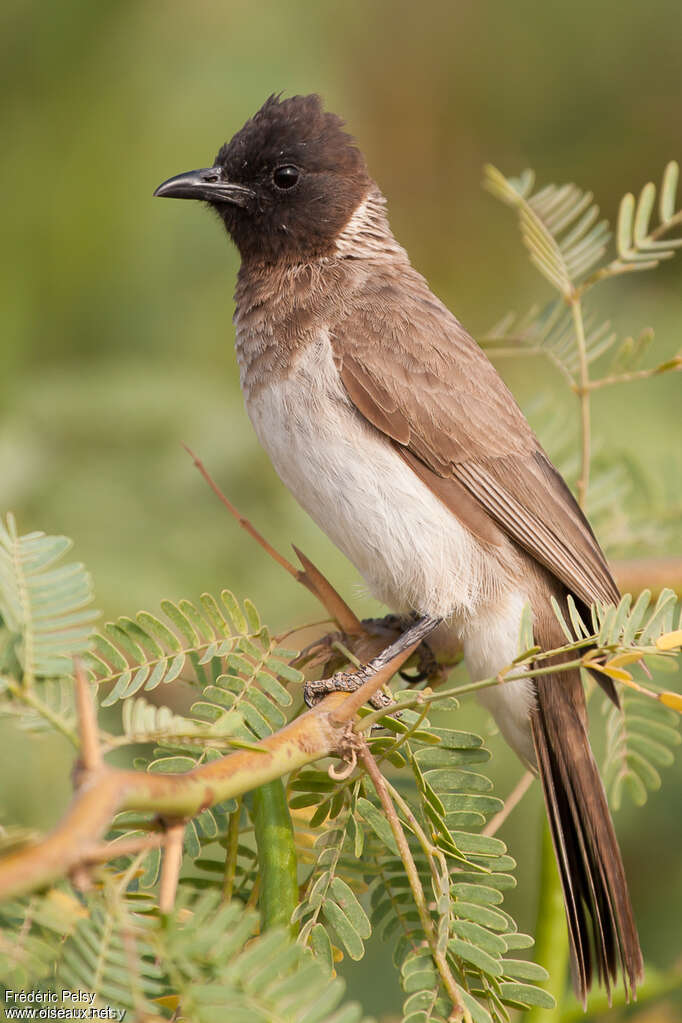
[285,185]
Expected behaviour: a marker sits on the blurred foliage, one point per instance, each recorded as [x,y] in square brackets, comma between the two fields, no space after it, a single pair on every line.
[408,844]
[117,341]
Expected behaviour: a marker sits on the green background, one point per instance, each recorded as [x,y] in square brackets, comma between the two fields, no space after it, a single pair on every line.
[117,339]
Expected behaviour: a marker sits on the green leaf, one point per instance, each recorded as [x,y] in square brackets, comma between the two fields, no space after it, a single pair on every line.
[482,915]
[351,907]
[479,936]
[458,801]
[526,995]
[668,191]
[643,215]
[172,765]
[436,757]
[182,623]
[522,969]
[478,1013]
[478,893]
[377,822]
[44,604]
[661,618]
[322,946]
[234,612]
[252,617]
[516,940]
[451,739]
[635,617]
[348,936]
[626,224]
[476,956]
[452,780]
[526,639]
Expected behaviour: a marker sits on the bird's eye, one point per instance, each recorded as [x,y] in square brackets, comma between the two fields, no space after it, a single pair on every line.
[286,177]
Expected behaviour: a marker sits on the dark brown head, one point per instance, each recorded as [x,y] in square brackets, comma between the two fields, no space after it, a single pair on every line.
[285,185]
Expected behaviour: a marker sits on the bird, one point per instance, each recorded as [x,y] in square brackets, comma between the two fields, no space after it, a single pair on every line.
[394,431]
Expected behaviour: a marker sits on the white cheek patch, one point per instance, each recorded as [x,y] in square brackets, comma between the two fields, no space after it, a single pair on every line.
[367,233]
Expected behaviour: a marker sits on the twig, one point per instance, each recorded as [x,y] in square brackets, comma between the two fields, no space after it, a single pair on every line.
[636,374]
[241,519]
[107,790]
[310,577]
[332,602]
[170,871]
[510,803]
[342,649]
[459,1011]
[123,847]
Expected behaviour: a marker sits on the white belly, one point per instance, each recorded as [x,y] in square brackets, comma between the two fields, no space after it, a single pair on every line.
[412,551]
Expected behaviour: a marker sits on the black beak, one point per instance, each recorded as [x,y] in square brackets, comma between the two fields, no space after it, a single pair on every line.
[207,184]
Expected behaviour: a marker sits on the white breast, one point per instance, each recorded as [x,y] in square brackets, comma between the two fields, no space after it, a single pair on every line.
[412,551]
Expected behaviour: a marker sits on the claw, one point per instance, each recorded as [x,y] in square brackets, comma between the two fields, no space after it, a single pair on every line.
[349,682]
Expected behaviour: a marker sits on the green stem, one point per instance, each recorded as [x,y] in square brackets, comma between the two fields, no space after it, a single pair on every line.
[276,856]
[231,852]
[551,942]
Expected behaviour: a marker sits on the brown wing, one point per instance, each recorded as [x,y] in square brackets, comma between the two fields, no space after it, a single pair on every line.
[413,372]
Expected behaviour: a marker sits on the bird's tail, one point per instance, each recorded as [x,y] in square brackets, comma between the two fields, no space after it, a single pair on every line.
[601,927]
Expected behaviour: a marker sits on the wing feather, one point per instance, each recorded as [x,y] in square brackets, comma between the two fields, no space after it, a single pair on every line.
[415,374]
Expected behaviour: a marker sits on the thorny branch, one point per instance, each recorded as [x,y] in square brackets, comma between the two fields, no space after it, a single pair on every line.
[310,577]
[76,843]
[102,790]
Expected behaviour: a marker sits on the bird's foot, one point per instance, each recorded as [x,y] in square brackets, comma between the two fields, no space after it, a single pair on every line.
[347,682]
[342,682]
[427,665]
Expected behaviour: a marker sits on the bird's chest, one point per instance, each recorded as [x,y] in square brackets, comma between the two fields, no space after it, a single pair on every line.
[350,479]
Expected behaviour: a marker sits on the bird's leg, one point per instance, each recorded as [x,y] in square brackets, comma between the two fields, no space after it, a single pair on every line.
[427,664]
[349,681]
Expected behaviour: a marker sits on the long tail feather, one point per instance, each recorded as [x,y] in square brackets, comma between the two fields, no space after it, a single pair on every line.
[602,932]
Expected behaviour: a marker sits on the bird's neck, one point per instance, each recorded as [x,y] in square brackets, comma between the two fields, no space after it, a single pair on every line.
[281,308]
[367,235]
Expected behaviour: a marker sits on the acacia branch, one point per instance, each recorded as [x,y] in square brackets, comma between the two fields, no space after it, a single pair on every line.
[104,791]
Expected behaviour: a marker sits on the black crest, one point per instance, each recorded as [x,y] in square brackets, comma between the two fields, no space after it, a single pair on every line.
[306,174]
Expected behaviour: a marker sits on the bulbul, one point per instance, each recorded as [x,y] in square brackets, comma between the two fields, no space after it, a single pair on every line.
[395,433]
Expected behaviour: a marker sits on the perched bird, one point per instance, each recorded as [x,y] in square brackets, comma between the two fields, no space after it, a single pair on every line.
[393,430]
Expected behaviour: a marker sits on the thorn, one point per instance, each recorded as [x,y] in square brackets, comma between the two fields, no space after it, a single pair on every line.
[170,871]
[330,599]
[91,754]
